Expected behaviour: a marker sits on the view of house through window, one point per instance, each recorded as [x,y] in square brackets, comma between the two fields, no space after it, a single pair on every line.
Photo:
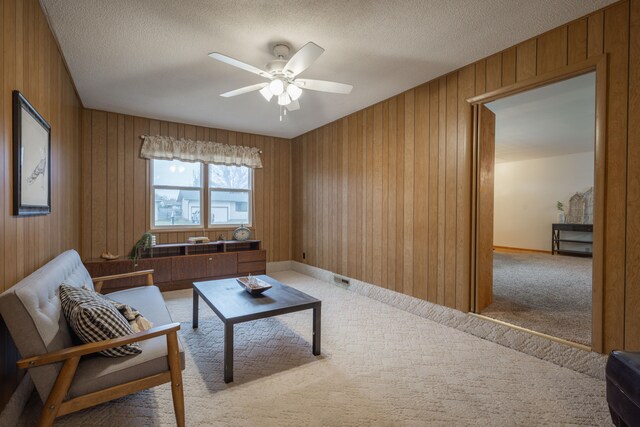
[178,191]
[230,191]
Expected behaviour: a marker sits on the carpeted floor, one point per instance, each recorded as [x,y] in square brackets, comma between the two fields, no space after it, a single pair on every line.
[545,293]
[379,366]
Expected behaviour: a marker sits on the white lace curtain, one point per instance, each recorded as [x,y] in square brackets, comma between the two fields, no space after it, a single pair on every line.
[168,148]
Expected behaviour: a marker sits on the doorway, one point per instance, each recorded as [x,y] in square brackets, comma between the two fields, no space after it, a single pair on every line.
[519,278]
[543,209]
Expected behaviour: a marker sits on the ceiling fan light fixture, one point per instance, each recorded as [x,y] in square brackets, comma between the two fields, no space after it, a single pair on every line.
[281,75]
[284,99]
[266,93]
[276,86]
[294,92]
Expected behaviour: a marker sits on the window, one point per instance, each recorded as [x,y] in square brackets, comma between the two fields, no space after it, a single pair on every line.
[229,195]
[179,199]
[177,190]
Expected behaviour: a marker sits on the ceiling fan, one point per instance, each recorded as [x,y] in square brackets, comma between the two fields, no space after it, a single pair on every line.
[282,75]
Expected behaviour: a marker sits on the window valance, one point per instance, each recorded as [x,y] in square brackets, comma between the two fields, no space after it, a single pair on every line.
[168,148]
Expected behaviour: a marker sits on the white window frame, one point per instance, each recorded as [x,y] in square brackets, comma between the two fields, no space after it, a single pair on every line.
[242,190]
[175,187]
[205,202]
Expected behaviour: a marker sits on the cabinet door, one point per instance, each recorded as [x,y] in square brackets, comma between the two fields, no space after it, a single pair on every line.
[189,267]
[161,268]
[222,265]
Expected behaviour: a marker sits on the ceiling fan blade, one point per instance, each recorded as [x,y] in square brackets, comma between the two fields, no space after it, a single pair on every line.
[231,61]
[303,58]
[293,105]
[325,86]
[245,89]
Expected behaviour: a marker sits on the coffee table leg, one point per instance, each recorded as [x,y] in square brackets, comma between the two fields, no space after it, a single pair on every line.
[316,329]
[228,352]
[195,309]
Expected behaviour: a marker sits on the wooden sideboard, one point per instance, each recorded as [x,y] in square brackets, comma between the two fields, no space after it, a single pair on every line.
[178,265]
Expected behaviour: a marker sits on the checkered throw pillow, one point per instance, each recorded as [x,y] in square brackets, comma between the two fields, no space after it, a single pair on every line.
[94,318]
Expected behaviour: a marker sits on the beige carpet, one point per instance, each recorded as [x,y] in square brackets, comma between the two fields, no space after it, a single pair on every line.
[545,293]
[380,366]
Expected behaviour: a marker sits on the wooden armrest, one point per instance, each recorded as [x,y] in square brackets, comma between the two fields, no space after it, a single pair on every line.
[99,281]
[122,276]
[84,349]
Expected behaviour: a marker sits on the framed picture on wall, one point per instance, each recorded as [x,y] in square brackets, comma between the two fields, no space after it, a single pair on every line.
[31,159]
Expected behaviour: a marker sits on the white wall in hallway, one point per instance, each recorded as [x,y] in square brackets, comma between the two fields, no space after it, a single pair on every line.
[526,193]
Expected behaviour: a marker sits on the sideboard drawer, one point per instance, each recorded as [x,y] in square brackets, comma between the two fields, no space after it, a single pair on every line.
[252,256]
[251,267]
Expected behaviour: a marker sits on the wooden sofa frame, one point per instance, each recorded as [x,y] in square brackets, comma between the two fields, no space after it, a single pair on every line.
[56,406]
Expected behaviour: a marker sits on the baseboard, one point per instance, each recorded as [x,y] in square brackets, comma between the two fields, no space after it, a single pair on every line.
[578,359]
[274,267]
[11,412]
[508,249]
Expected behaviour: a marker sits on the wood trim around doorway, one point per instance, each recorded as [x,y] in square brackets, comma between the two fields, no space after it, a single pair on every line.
[599,65]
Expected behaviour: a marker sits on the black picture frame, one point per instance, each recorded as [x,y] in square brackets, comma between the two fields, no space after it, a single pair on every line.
[31,159]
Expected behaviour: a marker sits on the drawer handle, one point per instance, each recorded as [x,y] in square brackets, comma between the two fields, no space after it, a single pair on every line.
[210,259]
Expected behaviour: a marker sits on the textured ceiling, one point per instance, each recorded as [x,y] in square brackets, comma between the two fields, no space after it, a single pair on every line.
[149,57]
[553,120]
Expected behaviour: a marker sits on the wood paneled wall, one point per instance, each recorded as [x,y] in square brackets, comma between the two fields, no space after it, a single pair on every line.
[384,195]
[31,63]
[115,184]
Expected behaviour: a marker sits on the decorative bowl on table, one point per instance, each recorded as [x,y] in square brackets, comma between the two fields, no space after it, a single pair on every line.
[253,285]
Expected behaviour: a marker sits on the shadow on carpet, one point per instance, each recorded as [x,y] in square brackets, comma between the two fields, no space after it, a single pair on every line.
[260,349]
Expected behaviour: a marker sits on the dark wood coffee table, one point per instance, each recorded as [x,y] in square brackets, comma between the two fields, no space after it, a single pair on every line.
[234,305]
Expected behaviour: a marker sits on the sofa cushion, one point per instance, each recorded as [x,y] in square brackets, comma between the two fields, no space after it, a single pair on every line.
[97,373]
[32,312]
[94,318]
